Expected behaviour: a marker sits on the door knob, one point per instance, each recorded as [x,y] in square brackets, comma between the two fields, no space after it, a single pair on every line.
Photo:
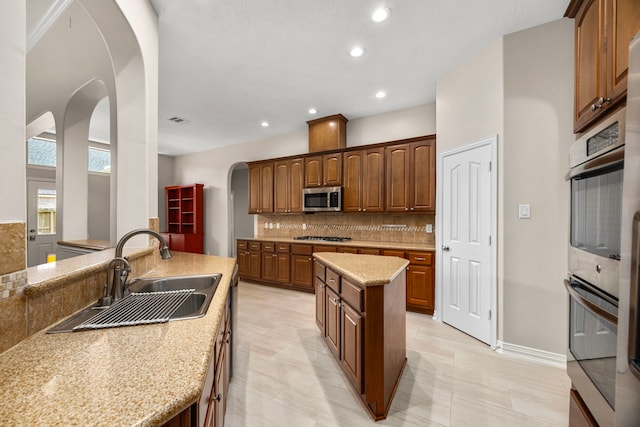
[445,248]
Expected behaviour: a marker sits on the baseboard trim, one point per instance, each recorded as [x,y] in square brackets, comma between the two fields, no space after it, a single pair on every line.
[532,354]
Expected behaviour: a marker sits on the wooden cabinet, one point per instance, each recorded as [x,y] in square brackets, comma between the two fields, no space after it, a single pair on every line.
[603,31]
[302,266]
[275,262]
[249,259]
[260,187]
[363,180]
[411,176]
[579,414]
[420,280]
[185,218]
[288,185]
[323,170]
[327,133]
[371,346]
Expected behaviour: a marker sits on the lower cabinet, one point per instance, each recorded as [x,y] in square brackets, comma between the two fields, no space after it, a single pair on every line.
[181,242]
[420,280]
[579,414]
[302,266]
[371,346]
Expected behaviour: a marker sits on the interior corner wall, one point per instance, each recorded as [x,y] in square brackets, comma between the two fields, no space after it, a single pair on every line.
[13,196]
[538,129]
[165,179]
[212,168]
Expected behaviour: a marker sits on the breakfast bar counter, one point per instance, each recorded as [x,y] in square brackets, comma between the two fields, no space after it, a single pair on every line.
[137,375]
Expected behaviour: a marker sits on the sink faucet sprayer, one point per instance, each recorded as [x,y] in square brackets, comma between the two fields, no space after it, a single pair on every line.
[122,268]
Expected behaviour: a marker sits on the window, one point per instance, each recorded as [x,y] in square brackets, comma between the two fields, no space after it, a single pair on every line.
[99,160]
[41,152]
[46,211]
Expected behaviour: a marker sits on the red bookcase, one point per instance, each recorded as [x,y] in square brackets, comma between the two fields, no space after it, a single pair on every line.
[185,219]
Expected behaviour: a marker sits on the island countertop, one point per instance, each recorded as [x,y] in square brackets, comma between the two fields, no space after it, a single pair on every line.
[138,375]
[365,270]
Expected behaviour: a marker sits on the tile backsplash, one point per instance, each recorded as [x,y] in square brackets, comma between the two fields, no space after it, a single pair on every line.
[406,228]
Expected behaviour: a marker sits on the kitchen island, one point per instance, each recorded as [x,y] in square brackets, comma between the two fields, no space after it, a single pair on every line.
[138,375]
[361,315]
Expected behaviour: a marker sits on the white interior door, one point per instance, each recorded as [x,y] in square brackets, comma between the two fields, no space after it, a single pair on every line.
[468,289]
[42,234]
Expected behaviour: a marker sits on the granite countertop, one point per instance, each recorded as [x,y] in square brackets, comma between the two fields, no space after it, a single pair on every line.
[358,243]
[365,270]
[138,375]
[92,244]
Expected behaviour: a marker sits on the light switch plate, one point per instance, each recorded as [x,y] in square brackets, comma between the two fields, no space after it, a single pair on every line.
[524,211]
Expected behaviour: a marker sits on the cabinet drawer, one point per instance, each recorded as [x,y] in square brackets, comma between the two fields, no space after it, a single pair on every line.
[348,250]
[268,247]
[320,270]
[369,251]
[282,247]
[254,246]
[420,258]
[333,280]
[324,248]
[301,249]
[391,252]
[352,294]
[242,244]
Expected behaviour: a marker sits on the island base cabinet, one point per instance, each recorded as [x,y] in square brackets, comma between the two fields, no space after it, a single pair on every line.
[365,329]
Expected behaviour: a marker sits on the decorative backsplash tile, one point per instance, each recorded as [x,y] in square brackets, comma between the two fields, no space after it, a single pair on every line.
[12,284]
[364,227]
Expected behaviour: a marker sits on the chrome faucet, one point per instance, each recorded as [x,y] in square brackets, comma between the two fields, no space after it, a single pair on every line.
[122,268]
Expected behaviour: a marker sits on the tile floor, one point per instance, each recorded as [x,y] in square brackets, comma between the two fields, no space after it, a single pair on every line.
[285,376]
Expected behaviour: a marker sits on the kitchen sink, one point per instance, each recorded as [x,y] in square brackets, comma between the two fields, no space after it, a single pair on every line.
[196,295]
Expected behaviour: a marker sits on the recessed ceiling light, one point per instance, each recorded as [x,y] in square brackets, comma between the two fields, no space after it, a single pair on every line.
[381,94]
[356,52]
[313,111]
[264,124]
[380,14]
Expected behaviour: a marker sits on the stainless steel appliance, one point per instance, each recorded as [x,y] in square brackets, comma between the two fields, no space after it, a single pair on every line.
[322,199]
[628,376]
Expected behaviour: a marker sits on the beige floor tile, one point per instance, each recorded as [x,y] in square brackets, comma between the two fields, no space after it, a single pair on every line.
[285,375]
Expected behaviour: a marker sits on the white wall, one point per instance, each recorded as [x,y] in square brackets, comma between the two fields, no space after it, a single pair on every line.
[165,179]
[213,168]
[538,129]
[13,193]
[520,88]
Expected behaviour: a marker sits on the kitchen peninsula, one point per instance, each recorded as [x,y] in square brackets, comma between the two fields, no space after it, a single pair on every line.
[361,316]
[139,375]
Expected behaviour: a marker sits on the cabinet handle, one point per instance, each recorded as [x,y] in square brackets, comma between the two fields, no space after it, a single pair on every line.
[218,398]
[321,286]
[334,300]
[406,209]
[600,103]
[419,258]
[411,208]
[332,280]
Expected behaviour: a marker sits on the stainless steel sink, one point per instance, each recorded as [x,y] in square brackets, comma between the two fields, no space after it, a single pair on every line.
[202,287]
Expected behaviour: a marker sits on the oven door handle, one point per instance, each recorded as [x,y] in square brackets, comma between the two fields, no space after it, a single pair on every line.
[605,314]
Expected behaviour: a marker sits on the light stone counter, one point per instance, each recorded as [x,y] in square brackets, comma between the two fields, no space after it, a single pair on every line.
[356,243]
[365,270]
[138,375]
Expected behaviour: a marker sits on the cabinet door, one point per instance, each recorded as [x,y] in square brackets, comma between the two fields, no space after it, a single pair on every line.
[332,169]
[302,271]
[243,262]
[266,187]
[420,288]
[296,184]
[269,266]
[282,267]
[281,187]
[313,171]
[398,177]
[352,345]
[332,321]
[352,190]
[220,399]
[589,66]
[320,303]
[373,181]
[177,242]
[254,189]
[254,265]
[423,176]
[623,22]
[579,414]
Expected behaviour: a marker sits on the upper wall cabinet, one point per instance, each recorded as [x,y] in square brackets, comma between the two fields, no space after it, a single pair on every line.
[603,31]
[411,176]
[261,187]
[288,185]
[323,170]
[363,180]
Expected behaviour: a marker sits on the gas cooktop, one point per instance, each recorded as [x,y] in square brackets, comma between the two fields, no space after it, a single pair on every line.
[323,238]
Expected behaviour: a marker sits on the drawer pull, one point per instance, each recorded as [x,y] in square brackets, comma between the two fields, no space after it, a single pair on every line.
[420,258]
[331,280]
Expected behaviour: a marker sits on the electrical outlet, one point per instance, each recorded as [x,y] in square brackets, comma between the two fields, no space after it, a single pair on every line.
[278,225]
[429,228]
[304,226]
[524,211]
[270,226]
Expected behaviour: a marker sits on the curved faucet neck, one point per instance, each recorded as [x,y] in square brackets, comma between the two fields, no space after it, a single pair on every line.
[129,235]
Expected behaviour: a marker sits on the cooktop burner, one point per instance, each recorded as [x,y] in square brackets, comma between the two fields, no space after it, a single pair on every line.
[324,238]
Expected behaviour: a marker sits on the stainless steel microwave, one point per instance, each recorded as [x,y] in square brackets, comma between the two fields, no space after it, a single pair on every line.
[322,199]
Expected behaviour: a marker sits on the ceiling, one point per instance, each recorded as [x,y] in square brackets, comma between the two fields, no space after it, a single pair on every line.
[227,66]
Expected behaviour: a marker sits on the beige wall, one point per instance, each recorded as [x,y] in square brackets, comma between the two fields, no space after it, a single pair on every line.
[213,168]
[520,89]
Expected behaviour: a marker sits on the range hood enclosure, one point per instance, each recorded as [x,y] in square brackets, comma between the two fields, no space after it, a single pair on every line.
[327,133]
